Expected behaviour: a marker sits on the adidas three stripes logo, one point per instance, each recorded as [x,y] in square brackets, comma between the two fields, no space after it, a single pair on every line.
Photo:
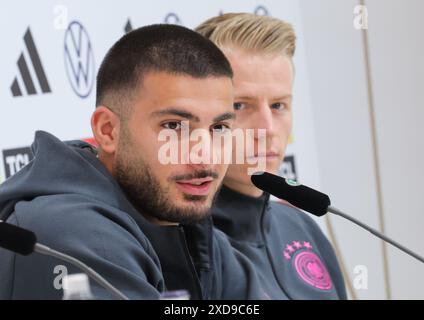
[26,74]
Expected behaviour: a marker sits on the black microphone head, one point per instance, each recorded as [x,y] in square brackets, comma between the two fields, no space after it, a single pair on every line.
[16,239]
[300,196]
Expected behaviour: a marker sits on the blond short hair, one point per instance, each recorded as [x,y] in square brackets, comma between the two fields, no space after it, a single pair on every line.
[254,33]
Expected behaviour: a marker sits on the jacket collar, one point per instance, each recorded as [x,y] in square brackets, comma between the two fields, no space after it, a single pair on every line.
[241,217]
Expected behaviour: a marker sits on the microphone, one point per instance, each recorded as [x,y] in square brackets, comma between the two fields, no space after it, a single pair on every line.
[24,242]
[314,202]
[17,239]
[300,196]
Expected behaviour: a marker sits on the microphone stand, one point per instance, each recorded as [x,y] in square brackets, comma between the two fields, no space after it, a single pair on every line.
[42,249]
[375,232]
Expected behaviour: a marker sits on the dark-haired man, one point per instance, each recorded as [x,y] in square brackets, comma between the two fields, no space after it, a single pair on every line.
[141,224]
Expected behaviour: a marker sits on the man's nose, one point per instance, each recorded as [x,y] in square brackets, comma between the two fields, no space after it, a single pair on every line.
[263,119]
[200,152]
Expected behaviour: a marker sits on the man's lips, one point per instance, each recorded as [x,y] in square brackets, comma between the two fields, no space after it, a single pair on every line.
[197,187]
[269,156]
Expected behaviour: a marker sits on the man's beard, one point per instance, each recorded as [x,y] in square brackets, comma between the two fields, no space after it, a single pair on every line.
[144,191]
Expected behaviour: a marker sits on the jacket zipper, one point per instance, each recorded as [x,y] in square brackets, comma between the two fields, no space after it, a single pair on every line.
[190,262]
[265,207]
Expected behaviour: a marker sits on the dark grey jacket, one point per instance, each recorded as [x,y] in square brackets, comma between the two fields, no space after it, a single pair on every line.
[68,198]
[293,258]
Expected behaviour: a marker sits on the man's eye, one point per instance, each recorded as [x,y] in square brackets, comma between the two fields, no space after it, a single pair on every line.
[238,105]
[278,106]
[221,128]
[173,125]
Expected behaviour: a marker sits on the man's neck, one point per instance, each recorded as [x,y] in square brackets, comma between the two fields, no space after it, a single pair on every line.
[243,188]
[106,161]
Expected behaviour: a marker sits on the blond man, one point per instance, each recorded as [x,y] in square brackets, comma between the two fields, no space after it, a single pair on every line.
[289,251]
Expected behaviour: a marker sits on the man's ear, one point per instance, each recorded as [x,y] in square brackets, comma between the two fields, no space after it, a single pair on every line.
[105,125]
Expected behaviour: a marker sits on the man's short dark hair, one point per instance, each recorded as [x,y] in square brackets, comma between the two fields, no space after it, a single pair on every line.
[158,48]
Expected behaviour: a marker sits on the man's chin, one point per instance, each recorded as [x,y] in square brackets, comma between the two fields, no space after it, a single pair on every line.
[273,168]
[195,209]
[188,216]
[195,206]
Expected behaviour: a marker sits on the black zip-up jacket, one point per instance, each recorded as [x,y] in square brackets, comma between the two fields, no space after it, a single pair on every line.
[69,199]
[292,256]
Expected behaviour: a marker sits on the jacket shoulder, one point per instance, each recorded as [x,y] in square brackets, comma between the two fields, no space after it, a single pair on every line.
[71,215]
[104,238]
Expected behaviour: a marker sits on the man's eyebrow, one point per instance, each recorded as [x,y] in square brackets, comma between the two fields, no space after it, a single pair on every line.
[225,116]
[175,112]
[283,97]
[247,97]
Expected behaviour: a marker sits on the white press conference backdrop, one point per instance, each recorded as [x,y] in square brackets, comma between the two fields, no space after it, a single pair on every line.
[51,51]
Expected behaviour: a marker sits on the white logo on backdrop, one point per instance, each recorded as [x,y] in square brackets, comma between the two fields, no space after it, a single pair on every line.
[79,59]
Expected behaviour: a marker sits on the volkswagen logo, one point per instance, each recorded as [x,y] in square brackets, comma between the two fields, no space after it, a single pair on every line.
[79,59]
